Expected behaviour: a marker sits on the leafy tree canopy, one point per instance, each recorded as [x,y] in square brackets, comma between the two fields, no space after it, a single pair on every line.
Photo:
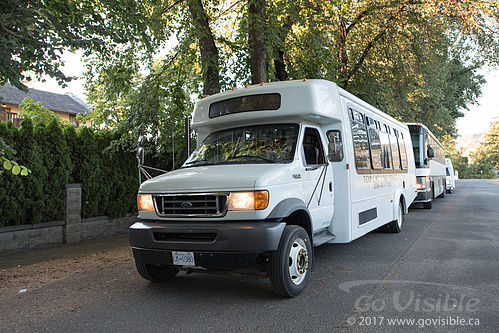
[414,59]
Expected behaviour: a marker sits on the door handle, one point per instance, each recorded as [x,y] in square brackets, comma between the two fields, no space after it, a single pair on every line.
[330,186]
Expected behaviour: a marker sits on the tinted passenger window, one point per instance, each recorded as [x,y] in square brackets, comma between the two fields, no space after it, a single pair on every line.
[387,154]
[403,154]
[312,147]
[395,152]
[376,154]
[260,102]
[360,145]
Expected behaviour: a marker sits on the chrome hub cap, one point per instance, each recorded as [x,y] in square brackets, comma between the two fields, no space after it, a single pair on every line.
[298,261]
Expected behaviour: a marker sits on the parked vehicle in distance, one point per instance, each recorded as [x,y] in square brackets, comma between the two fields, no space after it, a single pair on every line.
[429,156]
[450,182]
[279,168]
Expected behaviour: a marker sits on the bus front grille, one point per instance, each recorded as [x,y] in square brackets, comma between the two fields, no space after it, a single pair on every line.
[191,204]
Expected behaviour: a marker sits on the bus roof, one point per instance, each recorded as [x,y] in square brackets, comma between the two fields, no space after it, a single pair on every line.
[427,129]
[317,101]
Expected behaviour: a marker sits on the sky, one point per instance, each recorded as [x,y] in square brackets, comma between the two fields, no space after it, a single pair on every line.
[476,120]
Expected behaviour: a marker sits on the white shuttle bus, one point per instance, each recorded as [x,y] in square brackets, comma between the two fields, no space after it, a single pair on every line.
[279,168]
[450,179]
[429,157]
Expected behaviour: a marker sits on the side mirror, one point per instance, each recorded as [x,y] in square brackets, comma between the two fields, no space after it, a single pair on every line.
[430,153]
[335,146]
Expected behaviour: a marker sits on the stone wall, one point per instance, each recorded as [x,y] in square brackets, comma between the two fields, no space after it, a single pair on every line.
[72,230]
[26,237]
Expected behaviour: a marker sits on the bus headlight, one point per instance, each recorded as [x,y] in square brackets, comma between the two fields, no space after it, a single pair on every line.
[145,203]
[254,200]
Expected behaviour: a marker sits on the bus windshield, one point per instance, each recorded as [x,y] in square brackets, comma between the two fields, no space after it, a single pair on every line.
[249,144]
[416,144]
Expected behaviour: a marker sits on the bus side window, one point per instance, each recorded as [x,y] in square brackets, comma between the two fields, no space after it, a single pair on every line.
[360,142]
[395,150]
[403,154]
[385,147]
[375,145]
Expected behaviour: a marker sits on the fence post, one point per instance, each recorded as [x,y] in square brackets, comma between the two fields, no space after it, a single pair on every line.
[72,213]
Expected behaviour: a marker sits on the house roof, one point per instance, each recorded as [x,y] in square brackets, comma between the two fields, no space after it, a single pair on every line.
[52,101]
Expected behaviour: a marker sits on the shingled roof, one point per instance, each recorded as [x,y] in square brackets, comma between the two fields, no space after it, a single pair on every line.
[52,101]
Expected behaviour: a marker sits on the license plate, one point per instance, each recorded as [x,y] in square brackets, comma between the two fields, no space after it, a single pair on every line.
[183,258]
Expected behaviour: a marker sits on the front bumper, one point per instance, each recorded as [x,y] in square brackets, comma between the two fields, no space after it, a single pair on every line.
[425,196]
[227,244]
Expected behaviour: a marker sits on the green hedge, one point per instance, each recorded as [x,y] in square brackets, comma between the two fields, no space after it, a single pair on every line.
[57,156]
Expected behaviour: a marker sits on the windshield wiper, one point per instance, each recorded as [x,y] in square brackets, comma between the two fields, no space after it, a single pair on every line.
[253,156]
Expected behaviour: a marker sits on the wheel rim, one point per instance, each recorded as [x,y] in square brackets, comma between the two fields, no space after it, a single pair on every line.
[298,261]
[399,219]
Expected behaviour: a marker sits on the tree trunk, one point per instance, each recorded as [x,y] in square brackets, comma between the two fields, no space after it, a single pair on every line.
[209,51]
[256,41]
[280,67]
[341,47]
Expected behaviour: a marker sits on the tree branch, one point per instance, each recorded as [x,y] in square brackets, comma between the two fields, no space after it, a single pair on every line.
[366,51]
[368,11]
[171,6]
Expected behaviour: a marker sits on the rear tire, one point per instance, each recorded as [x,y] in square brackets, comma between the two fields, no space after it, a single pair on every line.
[396,225]
[442,195]
[156,273]
[290,264]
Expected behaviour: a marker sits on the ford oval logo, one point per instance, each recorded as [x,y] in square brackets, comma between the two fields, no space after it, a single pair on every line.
[186,204]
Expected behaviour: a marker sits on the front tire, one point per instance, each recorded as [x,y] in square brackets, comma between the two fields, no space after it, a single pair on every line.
[396,225]
[290,264]
[428,205]
[156,273]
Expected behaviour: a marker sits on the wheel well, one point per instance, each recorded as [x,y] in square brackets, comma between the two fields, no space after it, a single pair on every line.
[402,200]
[300,218]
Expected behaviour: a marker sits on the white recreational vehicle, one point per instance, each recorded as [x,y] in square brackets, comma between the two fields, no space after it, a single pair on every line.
[279,168]
[429,157]
[450,179]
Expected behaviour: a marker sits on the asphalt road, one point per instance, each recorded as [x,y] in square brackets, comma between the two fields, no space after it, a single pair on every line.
[442,271]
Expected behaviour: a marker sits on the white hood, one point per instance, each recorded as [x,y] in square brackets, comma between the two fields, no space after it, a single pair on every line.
[208,178]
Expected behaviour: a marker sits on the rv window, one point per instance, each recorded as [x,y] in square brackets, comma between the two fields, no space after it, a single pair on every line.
[361,146]
[395,151]
[375,145]
[358,116]
[385,147]
[262,102]
[403,154]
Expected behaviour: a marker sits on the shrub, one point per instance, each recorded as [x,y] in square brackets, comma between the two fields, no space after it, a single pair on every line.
[59,155]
